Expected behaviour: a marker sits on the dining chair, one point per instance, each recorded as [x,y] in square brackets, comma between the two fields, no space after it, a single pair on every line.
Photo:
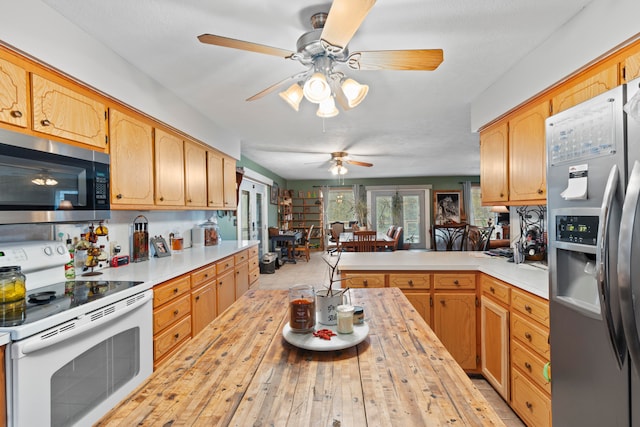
[337,227]
[364,240]
[479,238]
[393,246]
[303,247]
[391,230]
[450,237]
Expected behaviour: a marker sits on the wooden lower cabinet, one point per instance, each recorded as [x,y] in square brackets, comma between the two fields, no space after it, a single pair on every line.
[171,317]
[494,344]
[532,405]
[363,280]
[242,278]
[417,288]
[226,291]
[203,306]
[254,266]
[454,322]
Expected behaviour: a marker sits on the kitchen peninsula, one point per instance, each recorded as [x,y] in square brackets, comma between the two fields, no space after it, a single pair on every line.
[239,371]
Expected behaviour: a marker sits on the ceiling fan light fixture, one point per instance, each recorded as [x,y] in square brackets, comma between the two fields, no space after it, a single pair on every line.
[338,168]
[327,108]
[316,89]
[354,91]
[293,96]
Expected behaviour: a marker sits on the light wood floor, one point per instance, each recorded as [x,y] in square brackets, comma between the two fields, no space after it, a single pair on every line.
[316,273]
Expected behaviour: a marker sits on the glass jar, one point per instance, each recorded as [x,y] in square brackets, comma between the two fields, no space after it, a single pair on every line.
[211,232]
[12,284]
[302,308]
[345,319]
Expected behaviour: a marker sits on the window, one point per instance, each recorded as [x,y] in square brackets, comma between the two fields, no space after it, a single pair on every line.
[340,205]
[479,214]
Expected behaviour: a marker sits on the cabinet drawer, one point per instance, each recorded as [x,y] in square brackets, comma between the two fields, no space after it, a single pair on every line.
[203,275]
[166,291]
[454,281]
[254,275]
[529,402]
[253,251]
[410,281]
[254,262]
[165,341]
[495,289]
[531,335]
[169,313]
[530,306]
[530,365]
[225,265]
[241,257]
[355,280]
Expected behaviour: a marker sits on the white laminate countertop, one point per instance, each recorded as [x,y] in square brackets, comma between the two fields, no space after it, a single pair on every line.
[531,277]
[158,270]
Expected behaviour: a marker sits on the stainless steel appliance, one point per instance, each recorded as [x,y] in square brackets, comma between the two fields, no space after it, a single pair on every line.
[47,181]
[79,347]
[593,262]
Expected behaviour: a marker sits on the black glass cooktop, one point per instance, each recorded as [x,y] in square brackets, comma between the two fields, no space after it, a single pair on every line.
[49,300]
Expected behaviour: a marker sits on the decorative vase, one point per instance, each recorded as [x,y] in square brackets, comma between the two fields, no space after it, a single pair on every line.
[327,304]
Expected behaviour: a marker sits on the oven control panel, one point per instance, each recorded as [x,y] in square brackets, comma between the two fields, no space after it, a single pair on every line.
[33,255]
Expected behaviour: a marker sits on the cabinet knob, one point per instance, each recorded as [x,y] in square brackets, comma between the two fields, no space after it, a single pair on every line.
[527,307]
[161,199]
[16,114]
[175,312]
[529,404]
[492,289]
[365,282]
[540,191]
[410,282]
[528,366]
[198,298]
[206,275]
[118,196]
[455,282]
[176,336]
[45,122]
[501,195]
[527,335]
[175,290]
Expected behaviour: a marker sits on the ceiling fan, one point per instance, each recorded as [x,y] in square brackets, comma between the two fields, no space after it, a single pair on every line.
[326,46]
[339,158]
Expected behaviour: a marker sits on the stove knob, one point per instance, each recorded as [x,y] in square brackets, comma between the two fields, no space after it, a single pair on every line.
[48,251]
[60,249]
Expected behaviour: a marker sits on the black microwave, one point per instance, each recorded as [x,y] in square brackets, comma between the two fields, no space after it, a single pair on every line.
[48,181]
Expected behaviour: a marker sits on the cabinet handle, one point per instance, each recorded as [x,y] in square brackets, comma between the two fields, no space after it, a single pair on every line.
[410,282]
[161,198]
[119,196]
[540,191]
[189,200]
[210,202]
[501,194]
[175,290]
[16,114]
[527,335]
[528,366]
[527,307]
[175,312]
[45,122]
[442,301]
[455,282]
[492,289]
[529,404]
[176,336]
[365,282]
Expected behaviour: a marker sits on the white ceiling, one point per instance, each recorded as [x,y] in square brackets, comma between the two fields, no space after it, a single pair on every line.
[412,123]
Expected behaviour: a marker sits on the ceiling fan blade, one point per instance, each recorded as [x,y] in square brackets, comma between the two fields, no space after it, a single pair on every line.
[275,86]
[357,163]
[419,59]
[242,45]
[344,19]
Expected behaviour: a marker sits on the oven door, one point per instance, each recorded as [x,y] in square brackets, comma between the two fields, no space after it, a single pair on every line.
[74,373]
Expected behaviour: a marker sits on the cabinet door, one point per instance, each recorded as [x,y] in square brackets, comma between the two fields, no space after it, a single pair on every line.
[242,279]
[494,164]
[421,301]
[215,180]
[229,182]
[632,66]
[195,174]
[527,146]
[594,83]
[169,169]
[131,160]
[13,94]
[62,112]
[226,292]
[454,322]
[494,345]
[203,307]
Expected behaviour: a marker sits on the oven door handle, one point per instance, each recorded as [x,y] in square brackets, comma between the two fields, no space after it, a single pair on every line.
[84,324]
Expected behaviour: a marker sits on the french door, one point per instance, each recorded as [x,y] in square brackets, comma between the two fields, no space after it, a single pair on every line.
[404,208]
[252,223]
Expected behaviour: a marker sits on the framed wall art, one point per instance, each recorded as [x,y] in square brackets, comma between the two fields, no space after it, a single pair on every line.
[447,207]
[274,193]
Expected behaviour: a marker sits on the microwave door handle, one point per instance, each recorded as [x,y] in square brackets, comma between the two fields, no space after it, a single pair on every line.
[625,249]
[602,261]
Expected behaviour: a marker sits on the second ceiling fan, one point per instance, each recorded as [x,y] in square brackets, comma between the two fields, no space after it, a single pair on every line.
[324,47]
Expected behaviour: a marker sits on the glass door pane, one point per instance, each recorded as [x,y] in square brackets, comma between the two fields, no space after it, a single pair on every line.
[404,208]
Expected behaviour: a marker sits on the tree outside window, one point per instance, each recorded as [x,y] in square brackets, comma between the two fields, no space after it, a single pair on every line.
[340,206]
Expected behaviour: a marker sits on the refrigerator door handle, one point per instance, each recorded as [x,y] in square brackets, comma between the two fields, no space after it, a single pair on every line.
[625,249]
[602,261]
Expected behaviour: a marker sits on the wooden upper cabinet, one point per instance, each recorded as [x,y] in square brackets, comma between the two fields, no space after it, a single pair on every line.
[631,66]
[169,171]
[195,174]
[131,161]
[494,164]
[527,148]
[589,84]
[215,180]
[62,112]
[229,169]
[13,94]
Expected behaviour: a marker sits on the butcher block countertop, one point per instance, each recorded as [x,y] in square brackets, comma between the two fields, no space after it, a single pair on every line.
[240,371]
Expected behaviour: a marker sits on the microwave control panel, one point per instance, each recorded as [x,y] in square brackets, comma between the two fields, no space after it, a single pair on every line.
[577,229]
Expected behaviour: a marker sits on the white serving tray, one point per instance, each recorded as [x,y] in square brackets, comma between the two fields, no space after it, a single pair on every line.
[338,342]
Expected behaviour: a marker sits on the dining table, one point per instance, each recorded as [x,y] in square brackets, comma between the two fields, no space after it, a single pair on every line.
[241,371]
[290,238]
[347,241]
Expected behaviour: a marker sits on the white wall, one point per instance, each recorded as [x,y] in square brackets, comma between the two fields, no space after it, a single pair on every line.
[34,28]
[600,27]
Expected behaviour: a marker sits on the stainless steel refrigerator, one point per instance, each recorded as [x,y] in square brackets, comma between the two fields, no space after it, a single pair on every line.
[594,261]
